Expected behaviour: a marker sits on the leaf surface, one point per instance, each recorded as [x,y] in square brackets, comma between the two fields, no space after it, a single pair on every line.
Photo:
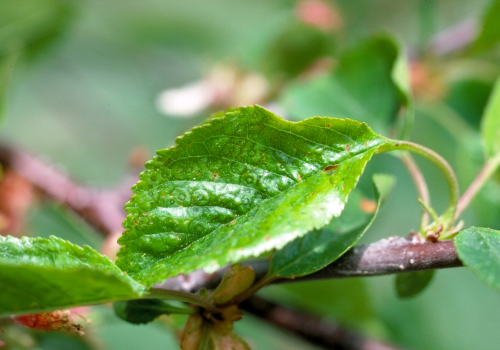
[319,248]
[239,186]
[369,84]
[479,249]
[490,123]
[39,274]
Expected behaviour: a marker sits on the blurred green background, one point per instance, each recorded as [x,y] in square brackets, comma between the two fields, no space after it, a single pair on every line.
[81,82]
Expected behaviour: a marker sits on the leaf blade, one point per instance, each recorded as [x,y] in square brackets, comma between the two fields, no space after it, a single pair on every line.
[479,249]
[252,171]
[38,275]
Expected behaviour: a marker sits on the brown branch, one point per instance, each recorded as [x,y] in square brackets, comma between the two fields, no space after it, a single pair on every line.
[102,209]
[315,330]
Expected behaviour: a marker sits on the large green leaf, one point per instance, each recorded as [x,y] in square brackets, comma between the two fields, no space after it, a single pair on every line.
[490,124]
[479,249]
[39,274]
[369,84]
[239,186]
[319,248]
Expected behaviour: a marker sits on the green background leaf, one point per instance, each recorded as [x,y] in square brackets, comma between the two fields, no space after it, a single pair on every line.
[490,123]
[319,248]
[39,274]
[240,186]
[490,28]
[413,283]
[479,249]
[32,25]
[369,84]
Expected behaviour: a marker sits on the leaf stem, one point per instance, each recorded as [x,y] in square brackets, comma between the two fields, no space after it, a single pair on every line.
[181,296]
[449,215]
[421,184]
[488,169]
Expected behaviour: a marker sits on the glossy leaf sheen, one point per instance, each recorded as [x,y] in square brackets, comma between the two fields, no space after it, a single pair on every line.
[239,186]
[479,249]
[490,124]
[319,248]
[39,274]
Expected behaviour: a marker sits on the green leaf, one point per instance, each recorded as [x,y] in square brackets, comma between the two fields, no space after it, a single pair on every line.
[141,311]
[490,28]
[239,186]
[319,248]
[369,84]
[296,48]
[490,124]
[411,284]
[479,249]
[39,274]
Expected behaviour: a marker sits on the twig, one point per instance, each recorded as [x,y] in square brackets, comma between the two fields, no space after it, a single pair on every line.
[102,209]
[319,332]
[488,169]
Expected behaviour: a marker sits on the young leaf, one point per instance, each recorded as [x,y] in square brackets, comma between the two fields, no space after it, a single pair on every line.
[411,284]
[479,249]
[319,248]
[141,311]
[490,123]
[239,186]
[39,274]
[349,92]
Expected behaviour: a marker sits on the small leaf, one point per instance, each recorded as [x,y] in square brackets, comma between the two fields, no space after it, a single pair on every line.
[141,311]
[239,186]
[39,274]
[411,284]
[479,249]
[319,248]
[490,124]
[349,90]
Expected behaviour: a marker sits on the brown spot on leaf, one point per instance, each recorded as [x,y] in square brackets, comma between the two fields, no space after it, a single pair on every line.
[214,175]
[347,147]
[330,168]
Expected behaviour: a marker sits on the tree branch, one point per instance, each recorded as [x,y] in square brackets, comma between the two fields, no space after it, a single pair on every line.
[102,209]
[315,330]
